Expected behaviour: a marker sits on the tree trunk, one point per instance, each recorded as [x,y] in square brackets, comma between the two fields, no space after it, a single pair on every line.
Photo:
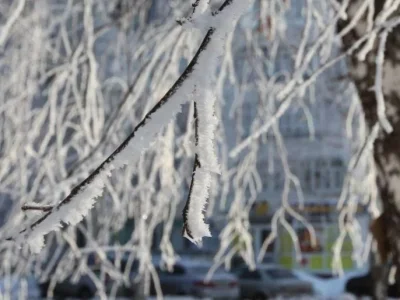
[387,146]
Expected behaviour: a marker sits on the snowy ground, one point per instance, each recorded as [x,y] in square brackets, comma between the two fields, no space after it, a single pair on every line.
[343,297]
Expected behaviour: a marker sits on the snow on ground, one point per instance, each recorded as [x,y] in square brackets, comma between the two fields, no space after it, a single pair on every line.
[342,297]
[329,288]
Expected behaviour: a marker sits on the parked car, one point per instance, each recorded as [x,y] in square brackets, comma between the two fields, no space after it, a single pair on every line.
[84,287]
[271,281]
[188,279]
[362,285]
[17,287]
[328,286]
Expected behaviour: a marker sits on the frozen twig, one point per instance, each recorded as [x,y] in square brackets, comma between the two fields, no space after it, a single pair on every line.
[378,84]
[5,29]
[82,197]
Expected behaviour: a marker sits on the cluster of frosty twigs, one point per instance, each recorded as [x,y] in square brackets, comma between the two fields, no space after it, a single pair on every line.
[360,183]
[316,47]
[316,67]
[61,113]
[194,80]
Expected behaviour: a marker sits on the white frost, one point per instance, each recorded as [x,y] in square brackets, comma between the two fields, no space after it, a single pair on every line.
[204,98]
[205,150]
[199,80]
[195,214]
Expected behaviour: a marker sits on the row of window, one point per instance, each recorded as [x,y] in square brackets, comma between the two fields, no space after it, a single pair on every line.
[294,122]
[318,174]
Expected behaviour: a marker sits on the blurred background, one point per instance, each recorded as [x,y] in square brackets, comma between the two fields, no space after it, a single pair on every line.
[297,189]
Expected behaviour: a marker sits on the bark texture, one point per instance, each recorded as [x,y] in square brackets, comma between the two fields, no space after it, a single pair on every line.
[387,146]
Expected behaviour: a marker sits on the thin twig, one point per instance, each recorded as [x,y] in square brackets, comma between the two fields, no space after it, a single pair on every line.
[88,180]
[41,208]
[196,165]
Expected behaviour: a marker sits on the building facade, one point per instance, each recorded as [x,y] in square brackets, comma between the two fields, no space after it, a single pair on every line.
[317,148]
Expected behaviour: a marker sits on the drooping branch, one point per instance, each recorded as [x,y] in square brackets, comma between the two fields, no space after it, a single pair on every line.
[186,232]
[5,30]
[81,198]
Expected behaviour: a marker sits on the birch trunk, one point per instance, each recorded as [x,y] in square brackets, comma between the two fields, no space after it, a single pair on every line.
[387,145]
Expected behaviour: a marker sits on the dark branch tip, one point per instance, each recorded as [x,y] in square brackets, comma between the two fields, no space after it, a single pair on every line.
[180,21]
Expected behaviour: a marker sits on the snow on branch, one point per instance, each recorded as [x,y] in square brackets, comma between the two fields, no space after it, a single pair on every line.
[6,28]
[204,230]
[196,79]
[205,162]
[380,101]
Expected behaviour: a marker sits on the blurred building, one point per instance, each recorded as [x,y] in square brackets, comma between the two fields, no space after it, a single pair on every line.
[313,132]
[318,149]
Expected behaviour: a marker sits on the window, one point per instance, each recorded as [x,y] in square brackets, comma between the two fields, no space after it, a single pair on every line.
[338,178]
[278,180]
[325,180]
[307,176]
[323,174]
[336,162]
[262,168]
[317,174]
[338,170]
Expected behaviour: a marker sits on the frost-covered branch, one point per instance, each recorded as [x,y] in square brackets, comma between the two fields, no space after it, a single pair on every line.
[205,163]
[81,199]
[87,73]
[5,29]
